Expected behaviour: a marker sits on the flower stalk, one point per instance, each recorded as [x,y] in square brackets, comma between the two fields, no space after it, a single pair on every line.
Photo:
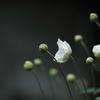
[75,66]
[39,84]
[62,74]
[38,63]
[85,47]
[96,68]
[98,24]
[88,53]
[50,84]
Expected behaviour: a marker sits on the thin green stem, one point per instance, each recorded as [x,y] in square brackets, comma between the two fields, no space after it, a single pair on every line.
[77,86]
[85,47]
[78,89]
[39,84]
[62,74]
[50,84]
[58,79]
[97,23]
[96,68]
[93,79]
[79,76]
[92,70]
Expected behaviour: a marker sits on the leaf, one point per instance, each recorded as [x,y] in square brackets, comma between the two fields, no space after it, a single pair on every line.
[97,90]
[97,98]
[90,90]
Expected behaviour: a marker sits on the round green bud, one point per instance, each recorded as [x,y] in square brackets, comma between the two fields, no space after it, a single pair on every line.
[89,61]
[37,62]
[28,65]
[53,72]
[78,38]
[93,17]
[71,78]
[43,48]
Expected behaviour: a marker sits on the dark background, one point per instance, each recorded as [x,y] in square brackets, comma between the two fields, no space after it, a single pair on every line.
[24,26]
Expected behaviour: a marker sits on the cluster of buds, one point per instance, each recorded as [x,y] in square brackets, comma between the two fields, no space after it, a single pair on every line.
[64,53]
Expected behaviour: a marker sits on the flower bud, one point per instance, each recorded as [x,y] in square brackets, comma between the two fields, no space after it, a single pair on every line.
[37,62]
[78,38]
[28,65]
[89,60]
[43,48]
[93,17]
[71,78]
[53,72]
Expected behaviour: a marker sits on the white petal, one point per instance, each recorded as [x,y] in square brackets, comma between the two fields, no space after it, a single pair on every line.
[60,54]
[64,51]
[60,43]
[68,47]
[96,51]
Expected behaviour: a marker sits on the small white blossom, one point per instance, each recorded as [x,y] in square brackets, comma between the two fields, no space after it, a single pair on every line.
[64,51]
[96,51]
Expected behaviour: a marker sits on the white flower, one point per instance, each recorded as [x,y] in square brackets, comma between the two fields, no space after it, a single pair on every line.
[64,51]
[96,51]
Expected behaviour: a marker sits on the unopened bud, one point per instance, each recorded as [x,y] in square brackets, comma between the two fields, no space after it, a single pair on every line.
[37,62]
[89,60]
[71,78]
[53,72]
[93,17]
[78,38]
[28,65]
[43,48]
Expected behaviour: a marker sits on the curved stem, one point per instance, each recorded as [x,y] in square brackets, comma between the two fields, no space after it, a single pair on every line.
[85,47]
[92,70]
[51,88]
[78,89]
[39,84]
[93,79]
[77,86]
[58,79]
[96,68]
[97,23]
[79,75]
[61,73]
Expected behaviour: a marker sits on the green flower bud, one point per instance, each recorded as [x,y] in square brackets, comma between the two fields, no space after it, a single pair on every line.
[78,38]
[43,48]
[37,62]
[93,17]
[28,65]
[89,60]
[53,72]
[71,78]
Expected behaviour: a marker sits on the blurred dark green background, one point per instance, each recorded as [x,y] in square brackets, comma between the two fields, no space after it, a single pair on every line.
[24,26]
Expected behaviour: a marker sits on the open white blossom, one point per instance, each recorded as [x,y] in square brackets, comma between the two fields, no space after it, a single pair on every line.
[96,51]
[64,51]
